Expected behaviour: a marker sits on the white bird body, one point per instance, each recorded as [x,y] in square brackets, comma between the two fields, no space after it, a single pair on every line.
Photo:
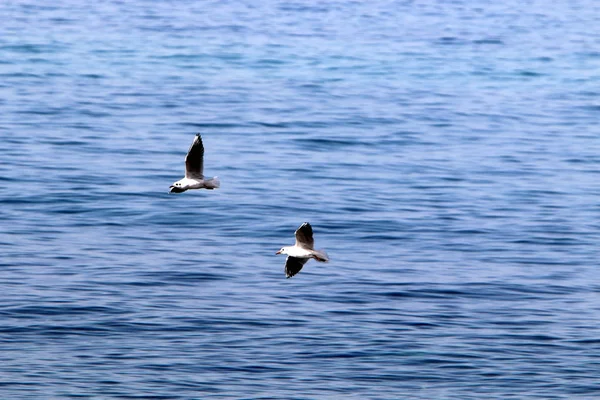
[191,183]
[296,252]
[302,251]
[194,170]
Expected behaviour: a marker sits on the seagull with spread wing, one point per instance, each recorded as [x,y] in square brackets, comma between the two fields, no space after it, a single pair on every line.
[194,170]
[302,251]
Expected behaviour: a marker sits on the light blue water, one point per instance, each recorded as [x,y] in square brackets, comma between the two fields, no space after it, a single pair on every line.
[446,153]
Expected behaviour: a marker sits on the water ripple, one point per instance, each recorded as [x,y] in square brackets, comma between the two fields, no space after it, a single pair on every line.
[443,152]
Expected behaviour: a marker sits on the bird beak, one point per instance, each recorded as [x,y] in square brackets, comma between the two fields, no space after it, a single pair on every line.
[278,252]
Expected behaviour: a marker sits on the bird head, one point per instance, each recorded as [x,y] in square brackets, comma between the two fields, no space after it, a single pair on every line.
[177,187]
[283,250]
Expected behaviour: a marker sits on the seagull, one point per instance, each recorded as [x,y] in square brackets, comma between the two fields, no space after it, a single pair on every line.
[302,251]
[194,167]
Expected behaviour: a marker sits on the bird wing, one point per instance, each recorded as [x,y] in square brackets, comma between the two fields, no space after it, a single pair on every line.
[304,236]
[194,161]
[293,265]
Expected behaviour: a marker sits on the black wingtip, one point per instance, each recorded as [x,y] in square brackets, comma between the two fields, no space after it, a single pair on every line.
[307,226]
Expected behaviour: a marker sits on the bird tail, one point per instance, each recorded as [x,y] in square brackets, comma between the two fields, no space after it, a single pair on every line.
[213,183]
[320,255]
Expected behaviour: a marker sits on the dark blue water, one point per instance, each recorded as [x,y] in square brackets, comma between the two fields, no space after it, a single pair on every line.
[447,154]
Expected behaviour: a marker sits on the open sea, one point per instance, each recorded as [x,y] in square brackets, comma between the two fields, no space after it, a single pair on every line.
[446,153]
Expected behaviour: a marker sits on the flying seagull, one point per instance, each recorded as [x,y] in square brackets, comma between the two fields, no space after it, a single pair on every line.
[194,168]
[302,251]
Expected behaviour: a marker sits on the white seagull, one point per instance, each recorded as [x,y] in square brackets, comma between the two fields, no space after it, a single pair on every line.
[194,168]
[302,251]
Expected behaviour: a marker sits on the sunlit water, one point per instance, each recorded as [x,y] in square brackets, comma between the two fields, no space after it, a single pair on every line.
[447,155]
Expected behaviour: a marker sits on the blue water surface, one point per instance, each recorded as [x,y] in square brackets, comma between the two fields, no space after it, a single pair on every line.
[447,154]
